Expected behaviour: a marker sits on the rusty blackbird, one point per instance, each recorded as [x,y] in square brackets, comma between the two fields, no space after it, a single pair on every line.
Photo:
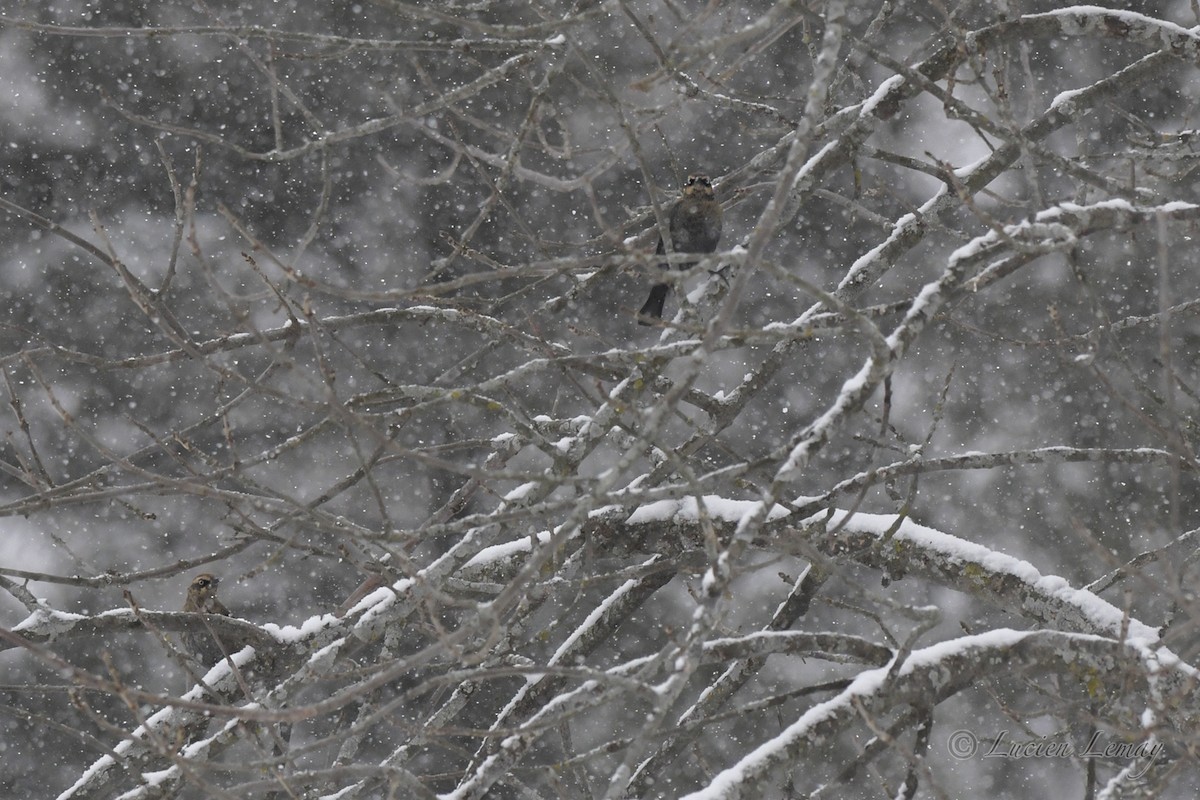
[695,227]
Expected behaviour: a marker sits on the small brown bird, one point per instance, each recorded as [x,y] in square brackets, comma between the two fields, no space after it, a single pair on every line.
[695,227]
[202,598]
[202,595]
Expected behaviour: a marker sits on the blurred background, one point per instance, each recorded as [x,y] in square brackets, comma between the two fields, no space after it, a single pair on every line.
[256,162]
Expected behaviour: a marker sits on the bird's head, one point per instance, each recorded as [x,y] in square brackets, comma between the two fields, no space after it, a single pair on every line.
[202,587]
[698,186]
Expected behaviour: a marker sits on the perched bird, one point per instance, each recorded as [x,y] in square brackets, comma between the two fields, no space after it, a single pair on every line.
[202,595]
[202,598]
[695,227]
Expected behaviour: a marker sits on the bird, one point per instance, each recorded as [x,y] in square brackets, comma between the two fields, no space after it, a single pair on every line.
[694,224]
[202,598]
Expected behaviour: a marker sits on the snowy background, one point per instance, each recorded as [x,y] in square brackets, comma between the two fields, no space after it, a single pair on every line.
[298,293]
